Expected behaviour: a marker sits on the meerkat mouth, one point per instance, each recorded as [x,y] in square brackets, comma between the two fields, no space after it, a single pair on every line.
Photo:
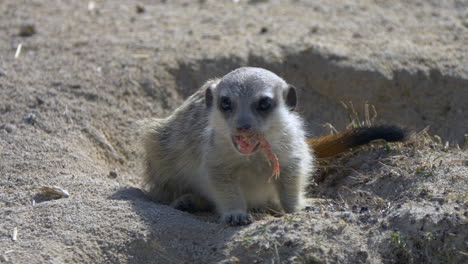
[251,143]
[246,144]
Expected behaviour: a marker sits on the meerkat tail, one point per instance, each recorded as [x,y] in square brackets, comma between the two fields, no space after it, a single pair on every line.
[331,145]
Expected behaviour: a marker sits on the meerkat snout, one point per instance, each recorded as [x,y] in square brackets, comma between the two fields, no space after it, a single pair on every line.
[244,123]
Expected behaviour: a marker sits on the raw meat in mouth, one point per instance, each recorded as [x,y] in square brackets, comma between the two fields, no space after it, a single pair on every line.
[252,143]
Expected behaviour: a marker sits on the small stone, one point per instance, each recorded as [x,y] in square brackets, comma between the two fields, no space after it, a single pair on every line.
[257,1]
[314,29]
[363,255]
[9,128]
[423,193]
[40,101]
[27,29]
[2,73]
[440,200]
[364,209]
[140,9]
[289,243]
[149,87]
[384,224]
[357,35]
[75,86]
[113,174]
[30,118]
[344,215]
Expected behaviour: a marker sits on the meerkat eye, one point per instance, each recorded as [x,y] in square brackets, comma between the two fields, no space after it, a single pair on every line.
[225,104]
[264,104]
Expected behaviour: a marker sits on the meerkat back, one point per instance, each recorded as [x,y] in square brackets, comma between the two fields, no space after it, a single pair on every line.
[172,148]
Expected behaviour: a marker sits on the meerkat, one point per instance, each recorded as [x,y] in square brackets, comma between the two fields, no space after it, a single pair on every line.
[236,145]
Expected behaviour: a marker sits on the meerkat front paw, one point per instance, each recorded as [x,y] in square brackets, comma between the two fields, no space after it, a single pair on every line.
[235,219]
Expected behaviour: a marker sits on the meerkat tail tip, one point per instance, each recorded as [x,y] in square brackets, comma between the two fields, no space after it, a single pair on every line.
[390,133]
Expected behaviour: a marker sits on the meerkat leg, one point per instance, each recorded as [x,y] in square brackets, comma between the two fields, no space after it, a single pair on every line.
[229,199]
[289,190]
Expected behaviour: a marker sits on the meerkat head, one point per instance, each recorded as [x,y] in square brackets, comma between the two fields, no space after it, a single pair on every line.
[247,103]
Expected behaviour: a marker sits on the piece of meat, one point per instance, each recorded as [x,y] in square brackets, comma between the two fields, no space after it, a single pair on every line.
[271,156]
[252,143]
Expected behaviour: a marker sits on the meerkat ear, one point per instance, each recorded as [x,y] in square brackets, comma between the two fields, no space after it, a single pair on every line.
[291,98]
[209,94]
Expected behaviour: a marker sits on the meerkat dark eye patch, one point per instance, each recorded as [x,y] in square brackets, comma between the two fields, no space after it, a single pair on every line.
[291,98]
[265,104]
[225,104]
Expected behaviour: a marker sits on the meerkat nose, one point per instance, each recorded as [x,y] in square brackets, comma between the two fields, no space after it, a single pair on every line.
[244,128]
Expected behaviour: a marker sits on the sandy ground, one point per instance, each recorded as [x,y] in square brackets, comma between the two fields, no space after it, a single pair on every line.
[70,100]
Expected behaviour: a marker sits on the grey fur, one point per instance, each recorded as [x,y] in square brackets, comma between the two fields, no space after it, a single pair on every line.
[191,154]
